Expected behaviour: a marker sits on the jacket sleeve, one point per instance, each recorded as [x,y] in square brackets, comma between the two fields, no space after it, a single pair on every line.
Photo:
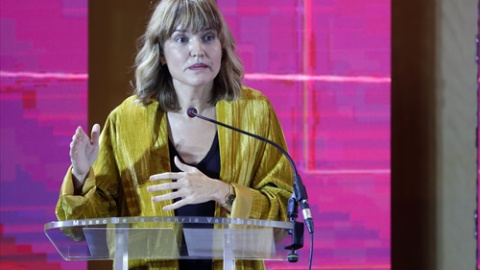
[99,194]
[272,183]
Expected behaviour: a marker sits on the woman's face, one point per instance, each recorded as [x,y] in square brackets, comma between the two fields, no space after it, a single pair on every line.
[193,59]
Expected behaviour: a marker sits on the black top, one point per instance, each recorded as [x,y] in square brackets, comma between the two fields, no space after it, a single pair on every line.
[210,166]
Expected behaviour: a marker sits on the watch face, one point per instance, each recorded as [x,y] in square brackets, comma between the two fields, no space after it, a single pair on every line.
[230,199]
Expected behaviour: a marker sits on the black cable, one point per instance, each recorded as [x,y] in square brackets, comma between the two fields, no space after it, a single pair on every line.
[310,257]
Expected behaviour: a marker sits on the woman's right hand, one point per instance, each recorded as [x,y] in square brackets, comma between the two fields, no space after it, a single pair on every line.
[83,152]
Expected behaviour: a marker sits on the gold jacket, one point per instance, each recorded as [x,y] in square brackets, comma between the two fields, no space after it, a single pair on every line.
[134,145]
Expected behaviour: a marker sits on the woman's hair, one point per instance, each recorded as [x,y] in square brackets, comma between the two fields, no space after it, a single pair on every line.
[153,80]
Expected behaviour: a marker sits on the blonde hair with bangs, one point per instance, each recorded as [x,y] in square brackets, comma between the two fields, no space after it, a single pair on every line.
[153,80]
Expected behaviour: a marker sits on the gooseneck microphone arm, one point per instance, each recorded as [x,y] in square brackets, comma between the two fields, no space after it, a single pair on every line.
[299,194]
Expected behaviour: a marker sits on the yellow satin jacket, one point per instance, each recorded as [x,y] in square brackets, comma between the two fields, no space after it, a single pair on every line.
[134,145]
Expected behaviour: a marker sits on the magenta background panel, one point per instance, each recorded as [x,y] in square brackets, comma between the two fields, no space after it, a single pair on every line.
[324,64]
[43,98]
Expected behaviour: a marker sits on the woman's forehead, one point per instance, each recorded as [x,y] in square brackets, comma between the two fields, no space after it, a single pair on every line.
[183,29]
[195,22]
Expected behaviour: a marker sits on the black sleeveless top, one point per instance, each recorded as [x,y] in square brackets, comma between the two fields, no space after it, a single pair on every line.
[210,166]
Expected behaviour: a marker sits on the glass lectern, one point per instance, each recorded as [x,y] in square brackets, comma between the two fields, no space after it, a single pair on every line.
[168,238]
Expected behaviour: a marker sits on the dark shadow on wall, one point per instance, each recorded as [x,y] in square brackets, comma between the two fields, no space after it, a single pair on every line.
[413,135]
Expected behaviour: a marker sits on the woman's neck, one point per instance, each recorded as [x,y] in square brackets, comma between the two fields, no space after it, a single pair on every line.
[196,97]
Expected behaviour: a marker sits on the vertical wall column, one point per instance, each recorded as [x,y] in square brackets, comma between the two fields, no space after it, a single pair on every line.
[113,30]
[456,111]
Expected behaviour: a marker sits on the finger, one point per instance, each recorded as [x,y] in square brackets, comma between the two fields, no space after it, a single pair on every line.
[164,186]
[166,176]
[95,134]
[79,132]
[175,205]
[165,197]
[76,134]
[77,139]
[79,136]
[182,166]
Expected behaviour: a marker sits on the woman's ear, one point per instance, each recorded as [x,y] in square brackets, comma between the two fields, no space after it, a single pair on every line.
[163,61]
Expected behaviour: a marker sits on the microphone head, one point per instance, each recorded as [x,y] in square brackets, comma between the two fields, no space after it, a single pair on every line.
[191,112]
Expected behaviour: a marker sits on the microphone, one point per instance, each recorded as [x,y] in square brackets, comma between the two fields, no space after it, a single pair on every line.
[299,191]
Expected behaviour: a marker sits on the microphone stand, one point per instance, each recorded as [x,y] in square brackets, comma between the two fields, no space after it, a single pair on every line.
[298,229]
[299,195]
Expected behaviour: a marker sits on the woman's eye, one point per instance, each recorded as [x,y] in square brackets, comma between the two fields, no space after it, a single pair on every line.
[209,37]
[181,39]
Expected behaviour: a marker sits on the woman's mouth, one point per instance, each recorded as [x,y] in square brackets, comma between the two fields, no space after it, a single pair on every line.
[198,66]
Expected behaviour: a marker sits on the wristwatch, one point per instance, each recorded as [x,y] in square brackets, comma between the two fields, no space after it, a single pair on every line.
[230,197]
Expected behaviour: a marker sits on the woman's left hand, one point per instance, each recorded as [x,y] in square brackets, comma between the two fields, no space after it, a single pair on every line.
[191,185]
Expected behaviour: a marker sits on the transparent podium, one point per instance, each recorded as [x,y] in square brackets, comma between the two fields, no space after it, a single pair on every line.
[170,238]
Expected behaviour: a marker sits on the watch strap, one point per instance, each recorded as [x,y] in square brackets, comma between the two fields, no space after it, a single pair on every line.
[230,196]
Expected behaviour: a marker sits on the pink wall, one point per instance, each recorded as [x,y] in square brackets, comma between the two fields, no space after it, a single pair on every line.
[324,64]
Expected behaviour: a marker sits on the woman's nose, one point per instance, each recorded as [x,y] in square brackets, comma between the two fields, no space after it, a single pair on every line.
[196,49]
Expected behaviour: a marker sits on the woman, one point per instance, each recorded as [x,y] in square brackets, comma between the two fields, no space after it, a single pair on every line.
[187,60]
